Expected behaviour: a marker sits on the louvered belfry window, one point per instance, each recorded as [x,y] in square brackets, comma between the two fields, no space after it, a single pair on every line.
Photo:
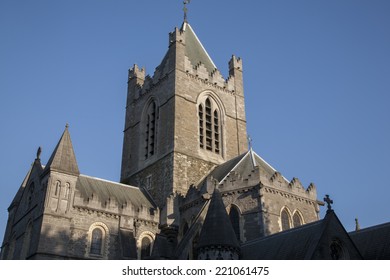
[150,131]
[209,126]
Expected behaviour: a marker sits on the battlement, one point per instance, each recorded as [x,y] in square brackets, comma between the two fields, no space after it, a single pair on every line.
[176,36]
[235,181]
[214,78]
[294,186]
[136,72]
[235,63]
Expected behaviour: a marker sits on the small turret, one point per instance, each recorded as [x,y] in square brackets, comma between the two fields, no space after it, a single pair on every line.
[135,81]
[235,70]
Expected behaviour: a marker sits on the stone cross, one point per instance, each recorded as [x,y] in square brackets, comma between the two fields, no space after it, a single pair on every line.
[249,142]
[328,201]
[185,2]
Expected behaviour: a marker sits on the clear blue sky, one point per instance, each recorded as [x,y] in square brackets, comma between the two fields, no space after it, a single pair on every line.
[316,78]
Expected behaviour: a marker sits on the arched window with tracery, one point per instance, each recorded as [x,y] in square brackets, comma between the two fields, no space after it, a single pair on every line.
[285,220]
[209,126]
[150,130]
[234,216]
[297,219]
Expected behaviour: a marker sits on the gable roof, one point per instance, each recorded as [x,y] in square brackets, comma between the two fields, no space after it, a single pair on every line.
[310,241]
[63,158]
[194,49]
[105,190]
[243,165]
[373,242]
[34,171]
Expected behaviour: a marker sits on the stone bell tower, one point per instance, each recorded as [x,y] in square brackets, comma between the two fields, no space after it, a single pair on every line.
[183,120]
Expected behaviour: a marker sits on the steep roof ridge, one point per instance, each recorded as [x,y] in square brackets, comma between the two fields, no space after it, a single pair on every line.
[63,157]
[268,165]
[190,34]
[217,229]
[235,167]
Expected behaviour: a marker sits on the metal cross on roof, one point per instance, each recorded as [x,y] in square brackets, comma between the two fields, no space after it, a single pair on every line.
[185,2]
[328,201]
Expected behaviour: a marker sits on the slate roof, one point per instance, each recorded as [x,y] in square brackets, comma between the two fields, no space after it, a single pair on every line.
[310,241]
[373,242]
[194,49]
[294,244]
[63,158]
[111,190]
[217,229]
[242,164]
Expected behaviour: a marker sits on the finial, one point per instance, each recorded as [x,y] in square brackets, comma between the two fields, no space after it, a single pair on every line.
[357,227]
[66,126]
[39,151]
[185,2]
[329,202]
[249,142]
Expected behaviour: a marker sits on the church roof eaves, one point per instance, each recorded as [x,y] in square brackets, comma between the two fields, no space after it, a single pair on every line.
[105,190]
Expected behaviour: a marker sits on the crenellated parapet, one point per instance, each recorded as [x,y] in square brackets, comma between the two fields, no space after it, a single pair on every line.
[294,187]
[136,73]
[235,181]
[213,78]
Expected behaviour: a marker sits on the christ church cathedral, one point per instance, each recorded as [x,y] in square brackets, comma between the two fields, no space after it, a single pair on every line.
[190,186]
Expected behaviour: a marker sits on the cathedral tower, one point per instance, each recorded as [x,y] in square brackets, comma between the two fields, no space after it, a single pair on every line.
[182,121]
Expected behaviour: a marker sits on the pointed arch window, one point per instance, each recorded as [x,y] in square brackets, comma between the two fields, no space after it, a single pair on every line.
[201,126]
[297,220]
[209,126]
[285,220]
[234,216]
[150,130]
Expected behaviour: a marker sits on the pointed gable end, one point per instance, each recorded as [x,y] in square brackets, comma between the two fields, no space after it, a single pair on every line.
[63,158]
[195,51]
